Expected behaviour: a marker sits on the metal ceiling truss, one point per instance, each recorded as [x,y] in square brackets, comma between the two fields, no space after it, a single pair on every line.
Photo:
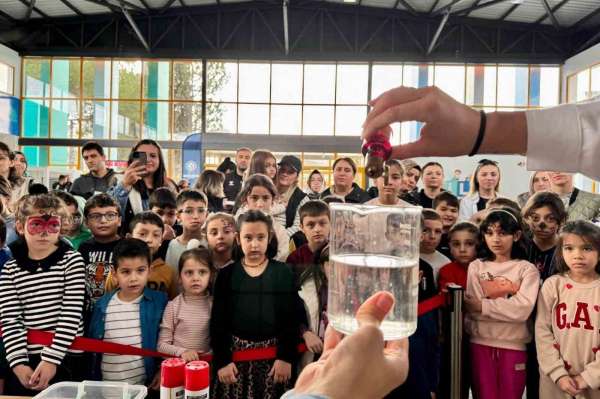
[297,30]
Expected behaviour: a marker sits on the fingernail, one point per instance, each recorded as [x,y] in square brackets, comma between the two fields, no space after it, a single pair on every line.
[385,301]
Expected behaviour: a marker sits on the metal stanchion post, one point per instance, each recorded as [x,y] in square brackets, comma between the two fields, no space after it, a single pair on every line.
[456,336]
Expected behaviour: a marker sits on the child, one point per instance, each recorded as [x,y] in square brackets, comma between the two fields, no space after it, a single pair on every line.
[41,264]
[315,224]
[72,228]
[258,193]
[501,293]
[130,315]
[424,356]
[313,292]
[251,309]
[430,239]
[464,240]
[103,216]
[184,331]
[388,190]
[148,227]
[220,230]
[544,212]
[566,328]
[164,203]
[191,214]
[446,205]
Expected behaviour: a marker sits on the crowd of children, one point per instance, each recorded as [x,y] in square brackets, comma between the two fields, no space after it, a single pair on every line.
[184,281]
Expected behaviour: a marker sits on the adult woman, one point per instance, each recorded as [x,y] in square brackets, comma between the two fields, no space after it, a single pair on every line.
[18,176]
[433,180]
[315,185]
[289,194]
[140,180]
[539,181]
[344,172]
[484,187]
[210,183]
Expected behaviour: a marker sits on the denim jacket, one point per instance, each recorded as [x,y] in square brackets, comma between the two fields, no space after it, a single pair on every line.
[152,305]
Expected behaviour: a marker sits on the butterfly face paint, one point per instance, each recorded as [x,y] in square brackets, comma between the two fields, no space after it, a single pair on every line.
[39,224]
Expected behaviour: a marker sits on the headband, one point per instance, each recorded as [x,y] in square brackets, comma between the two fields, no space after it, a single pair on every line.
[505,211]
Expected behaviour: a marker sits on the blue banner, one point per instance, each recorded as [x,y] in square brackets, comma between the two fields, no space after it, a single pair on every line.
[192,162]
[9,115]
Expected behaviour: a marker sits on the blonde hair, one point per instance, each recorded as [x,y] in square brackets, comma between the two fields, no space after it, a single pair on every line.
[210,183]
[43,203]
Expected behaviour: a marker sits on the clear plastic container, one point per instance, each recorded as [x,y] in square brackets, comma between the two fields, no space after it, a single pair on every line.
[93,390]
[374,248]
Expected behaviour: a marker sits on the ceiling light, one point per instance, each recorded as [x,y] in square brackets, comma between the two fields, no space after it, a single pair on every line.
[517,1]
[349,1]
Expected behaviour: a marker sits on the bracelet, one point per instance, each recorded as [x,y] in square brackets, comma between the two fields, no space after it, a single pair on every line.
[480,134]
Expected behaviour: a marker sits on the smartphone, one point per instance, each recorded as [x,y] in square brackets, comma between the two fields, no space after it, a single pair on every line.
[140,156]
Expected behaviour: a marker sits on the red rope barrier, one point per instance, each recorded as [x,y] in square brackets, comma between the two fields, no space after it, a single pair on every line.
[94,345]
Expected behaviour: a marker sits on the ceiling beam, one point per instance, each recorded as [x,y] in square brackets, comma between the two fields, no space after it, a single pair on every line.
[510,11]
[168,4]
[286,30]
[478,7]
[438,32]
[554,9]
[146,5]
[585,19]
[7,17]
[476,2]
[592,40]
[406,5]
[72,7]
[135,28]
[29,10]
[445,8]
[106,4]
[31,7]
[550,14]
[433,7]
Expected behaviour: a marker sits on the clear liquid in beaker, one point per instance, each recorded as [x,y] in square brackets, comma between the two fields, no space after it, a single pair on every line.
[355,277]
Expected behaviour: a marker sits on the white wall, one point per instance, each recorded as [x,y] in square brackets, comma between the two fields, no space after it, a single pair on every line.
[583,60]
[514,175]
[12,58]
[578,62]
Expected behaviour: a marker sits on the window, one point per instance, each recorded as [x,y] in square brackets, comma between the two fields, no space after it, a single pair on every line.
[7,73]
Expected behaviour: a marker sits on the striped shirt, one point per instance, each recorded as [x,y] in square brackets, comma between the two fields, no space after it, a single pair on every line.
[122,326]
[186,325]
[44,295]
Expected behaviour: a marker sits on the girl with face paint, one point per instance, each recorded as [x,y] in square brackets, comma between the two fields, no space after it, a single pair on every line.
[544,213]
[42,287]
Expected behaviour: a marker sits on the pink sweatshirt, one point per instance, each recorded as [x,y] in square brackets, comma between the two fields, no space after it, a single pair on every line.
[566,330]
[508,291]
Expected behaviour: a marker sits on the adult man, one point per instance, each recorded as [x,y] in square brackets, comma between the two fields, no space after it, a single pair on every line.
[100,178]
[233,180]
[580,205]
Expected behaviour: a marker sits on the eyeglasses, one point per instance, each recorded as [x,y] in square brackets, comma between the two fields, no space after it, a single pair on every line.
[192,211]
[96,217]
[76,217]
[38,224]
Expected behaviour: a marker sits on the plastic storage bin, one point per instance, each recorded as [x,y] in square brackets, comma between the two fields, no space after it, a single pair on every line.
[93,390]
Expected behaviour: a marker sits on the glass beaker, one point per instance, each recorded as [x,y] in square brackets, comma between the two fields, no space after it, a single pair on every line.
[374,248]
